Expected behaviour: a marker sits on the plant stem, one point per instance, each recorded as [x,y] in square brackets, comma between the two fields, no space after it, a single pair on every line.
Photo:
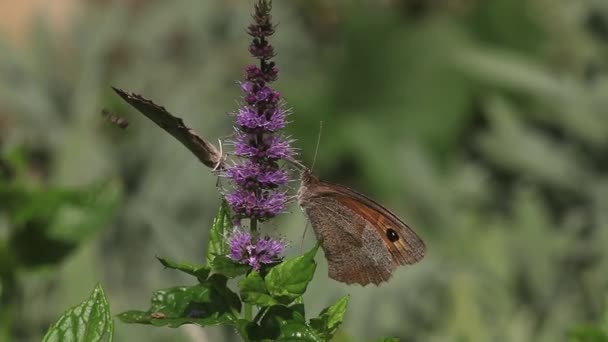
[253,226]
[260,314]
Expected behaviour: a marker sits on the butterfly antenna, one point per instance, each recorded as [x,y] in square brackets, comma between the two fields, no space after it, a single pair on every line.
[221,158]
[314,159]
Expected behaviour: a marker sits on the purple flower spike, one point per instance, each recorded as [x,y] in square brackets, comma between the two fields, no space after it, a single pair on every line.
[245,250]
[257,177]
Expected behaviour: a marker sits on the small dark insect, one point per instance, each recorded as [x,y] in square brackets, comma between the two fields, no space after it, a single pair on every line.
[115,119]
[157,315]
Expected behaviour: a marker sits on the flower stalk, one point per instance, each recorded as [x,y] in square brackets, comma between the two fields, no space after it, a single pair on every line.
[257,178]
[258,142]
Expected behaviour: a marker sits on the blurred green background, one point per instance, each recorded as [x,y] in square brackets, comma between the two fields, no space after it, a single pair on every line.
[481,122]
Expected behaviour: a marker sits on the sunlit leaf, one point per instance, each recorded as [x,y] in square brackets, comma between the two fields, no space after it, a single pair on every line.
[225,266]
[89,321]
[253,290]
[330,318]
[289,279]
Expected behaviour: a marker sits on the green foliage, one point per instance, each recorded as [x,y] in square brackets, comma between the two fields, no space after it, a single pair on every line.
[276,293]
[207,303]
[200,272]
[254,291]
[288,280]
[224,265]
[287,324]
[67,215]
[44,225]
[588,334]
[330,319]
[217,247]
[88,321]
[217,235]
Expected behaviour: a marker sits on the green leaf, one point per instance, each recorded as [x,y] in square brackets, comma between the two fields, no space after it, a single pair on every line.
[289,279]
[253,290]
[281,323]
[217,234]
[388,339]
[74,214]
[200,272]
[89,321]
[330,318]
[297,331]
[208,303]
[223,265]
[587,334]
[79,214]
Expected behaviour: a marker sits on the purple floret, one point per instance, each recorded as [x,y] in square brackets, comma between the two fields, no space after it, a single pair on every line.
[248,118]
[245,250]
[250,175]
[272,147]
[262,207]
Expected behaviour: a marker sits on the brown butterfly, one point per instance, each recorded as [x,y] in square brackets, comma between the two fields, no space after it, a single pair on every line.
[363,241]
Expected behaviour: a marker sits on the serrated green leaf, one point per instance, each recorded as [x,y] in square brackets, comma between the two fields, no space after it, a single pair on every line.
[223,265]
[289,279]
[217,234]
[89,321]
[253,290]
[208,303]
[330,318]
[200,272]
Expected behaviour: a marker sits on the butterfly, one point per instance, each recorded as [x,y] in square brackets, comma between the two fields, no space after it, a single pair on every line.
[363,241]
